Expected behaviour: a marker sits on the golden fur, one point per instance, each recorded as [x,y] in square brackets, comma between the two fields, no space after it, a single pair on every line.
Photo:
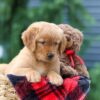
[40,39]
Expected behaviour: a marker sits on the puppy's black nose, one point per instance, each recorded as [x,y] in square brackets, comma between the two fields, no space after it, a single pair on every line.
[50,55]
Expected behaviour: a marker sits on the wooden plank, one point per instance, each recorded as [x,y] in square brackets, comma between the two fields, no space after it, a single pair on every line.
[89,64]
[95,30]
[93,34]
[94,12]
[96,15]
[93,9]
[92,58]
[91,2]
[92,53]
[96,44]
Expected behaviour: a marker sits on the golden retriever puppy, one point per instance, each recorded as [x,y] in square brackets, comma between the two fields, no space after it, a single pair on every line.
[44,42]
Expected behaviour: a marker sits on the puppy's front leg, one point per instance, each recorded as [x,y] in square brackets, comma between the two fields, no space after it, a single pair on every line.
[55,78]
[33,76]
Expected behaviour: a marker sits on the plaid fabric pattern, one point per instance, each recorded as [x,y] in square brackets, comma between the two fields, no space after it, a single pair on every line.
[73,88]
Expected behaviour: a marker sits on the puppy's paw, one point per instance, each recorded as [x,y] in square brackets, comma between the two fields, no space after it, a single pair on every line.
[55,78]
[33,76]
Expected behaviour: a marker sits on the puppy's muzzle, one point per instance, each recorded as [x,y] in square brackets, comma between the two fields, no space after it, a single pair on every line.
[50,56]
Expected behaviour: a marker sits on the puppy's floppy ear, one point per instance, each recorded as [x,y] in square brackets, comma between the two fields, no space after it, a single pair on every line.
[62,46]
[29,37]
[67,30]
[80,34]
[80,37]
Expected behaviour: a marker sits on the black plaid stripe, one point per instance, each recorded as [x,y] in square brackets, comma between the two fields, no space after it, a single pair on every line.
[59,91]
[62,91]
[32,96]
[44,91]
[54,90]
[76,94]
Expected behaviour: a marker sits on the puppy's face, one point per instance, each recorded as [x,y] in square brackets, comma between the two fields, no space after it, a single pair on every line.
[45,40]
[73,36]
[47,47]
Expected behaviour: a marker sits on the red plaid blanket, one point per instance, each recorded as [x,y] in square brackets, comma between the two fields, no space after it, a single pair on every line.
[73,88]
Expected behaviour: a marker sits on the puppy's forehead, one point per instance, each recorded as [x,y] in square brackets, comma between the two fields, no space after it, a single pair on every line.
[51,32]
[49,37]
[47,30]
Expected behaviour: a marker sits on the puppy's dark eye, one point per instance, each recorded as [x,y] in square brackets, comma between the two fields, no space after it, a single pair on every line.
[56,43]
[42,42]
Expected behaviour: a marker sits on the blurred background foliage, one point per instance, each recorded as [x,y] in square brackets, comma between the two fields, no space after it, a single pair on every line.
[17,15]
[95,86]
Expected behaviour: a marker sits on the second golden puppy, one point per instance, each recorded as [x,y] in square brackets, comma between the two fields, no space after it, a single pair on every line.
[44,42]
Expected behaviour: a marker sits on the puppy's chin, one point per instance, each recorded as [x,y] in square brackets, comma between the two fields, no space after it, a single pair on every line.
[44,59]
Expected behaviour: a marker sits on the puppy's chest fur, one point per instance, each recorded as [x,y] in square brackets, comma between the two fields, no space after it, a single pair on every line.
[45,68]
[41,68]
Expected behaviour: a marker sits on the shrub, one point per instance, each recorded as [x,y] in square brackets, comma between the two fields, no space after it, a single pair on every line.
[95,83]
